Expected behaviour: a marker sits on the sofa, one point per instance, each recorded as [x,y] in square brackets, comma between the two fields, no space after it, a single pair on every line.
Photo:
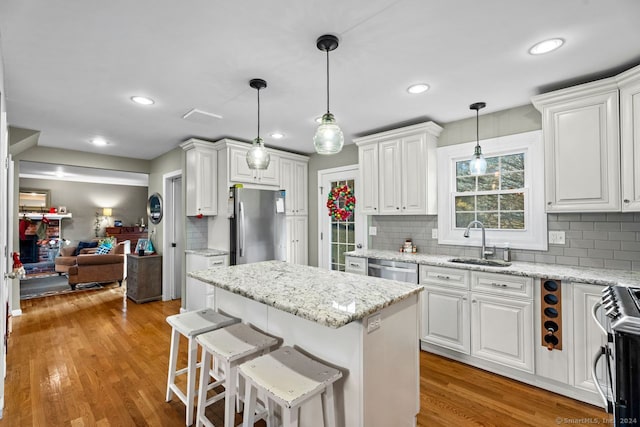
[89,267]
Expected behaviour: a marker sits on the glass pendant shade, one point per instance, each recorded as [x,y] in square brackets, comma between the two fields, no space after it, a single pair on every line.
[329,138]
[477,164]
[258,157]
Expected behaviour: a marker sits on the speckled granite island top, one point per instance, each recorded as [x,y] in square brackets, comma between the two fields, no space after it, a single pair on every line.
[567,273]
[331,298]
[206,252]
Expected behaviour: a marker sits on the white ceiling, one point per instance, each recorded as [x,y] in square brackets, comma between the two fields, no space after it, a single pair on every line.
[70,69]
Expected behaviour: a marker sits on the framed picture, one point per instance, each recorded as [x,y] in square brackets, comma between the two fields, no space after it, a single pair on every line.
[142,245]
[62,210]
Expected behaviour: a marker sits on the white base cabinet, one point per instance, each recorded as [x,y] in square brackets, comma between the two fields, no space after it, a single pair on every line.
[502,330]
[199,294]
[445,318]
[355,265]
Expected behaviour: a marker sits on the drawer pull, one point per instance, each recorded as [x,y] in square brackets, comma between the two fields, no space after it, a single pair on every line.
[443,276]
[499,285]
[353,264]
[217,262]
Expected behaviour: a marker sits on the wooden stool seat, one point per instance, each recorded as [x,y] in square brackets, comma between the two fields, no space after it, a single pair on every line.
[190,324]
[289,379]
[229,347]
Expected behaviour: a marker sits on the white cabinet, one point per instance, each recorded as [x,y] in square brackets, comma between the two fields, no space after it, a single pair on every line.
[591,136]
[445,308]
[629,84]
[587,337]
[368,162]
[502,319]
[297,246]
[239,170]
[502,330]
[201,178]
[582,147]
[294,180]
[398,171]
[199,294]
[355,265]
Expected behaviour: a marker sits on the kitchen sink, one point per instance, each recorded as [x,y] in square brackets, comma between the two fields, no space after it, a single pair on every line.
[478,261]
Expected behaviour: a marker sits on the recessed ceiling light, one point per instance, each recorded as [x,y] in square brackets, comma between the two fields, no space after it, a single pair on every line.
[418,88]
[277,135]
[99,142]
[142,100]
[546,46]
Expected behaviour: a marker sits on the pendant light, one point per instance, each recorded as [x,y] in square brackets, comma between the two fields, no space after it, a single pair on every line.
[258,156]
[328,138]
[477,164]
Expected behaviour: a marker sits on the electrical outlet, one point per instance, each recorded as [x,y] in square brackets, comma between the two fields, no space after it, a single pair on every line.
[556,237]
[373,322]
[373,231]
[434,233]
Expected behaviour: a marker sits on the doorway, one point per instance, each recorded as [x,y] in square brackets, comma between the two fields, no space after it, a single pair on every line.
[339,235]
[173,245]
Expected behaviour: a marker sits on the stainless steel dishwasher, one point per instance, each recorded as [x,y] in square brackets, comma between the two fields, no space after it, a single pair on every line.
[394,270]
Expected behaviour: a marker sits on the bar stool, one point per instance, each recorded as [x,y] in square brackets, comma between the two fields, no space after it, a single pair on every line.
[289,379]
[190,324]
[229,347]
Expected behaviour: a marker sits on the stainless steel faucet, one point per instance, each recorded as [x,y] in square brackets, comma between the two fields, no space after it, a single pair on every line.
[484,252]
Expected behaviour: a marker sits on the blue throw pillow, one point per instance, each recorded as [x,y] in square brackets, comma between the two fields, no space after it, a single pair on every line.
[83,245]
[103,249]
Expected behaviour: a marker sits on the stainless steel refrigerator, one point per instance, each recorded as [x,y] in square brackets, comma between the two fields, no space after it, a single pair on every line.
[258,225]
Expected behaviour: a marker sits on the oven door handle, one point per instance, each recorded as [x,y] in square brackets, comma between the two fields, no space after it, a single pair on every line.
[594,314]
[608,404]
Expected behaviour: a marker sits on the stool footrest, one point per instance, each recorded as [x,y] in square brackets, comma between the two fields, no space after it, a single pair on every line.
[179,393]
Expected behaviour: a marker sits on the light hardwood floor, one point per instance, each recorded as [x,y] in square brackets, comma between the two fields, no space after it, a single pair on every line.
[95,359]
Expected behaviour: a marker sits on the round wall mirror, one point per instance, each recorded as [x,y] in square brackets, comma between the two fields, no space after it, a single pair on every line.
[154,208]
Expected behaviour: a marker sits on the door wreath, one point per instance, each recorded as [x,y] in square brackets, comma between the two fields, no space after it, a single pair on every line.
[341,195]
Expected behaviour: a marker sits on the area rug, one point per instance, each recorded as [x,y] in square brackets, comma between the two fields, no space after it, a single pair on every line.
[54,285]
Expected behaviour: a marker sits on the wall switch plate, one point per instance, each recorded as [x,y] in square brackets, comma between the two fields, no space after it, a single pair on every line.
[556,237]
[434,233]
[373,231]
[373,322]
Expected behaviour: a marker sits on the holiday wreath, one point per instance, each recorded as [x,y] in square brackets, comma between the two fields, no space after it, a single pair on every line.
[341,195]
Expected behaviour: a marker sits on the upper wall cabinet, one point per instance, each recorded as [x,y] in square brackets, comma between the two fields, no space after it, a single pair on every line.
[629,83]
[201,177]
[239,169]
[398,171]
[581,127]
[293,179]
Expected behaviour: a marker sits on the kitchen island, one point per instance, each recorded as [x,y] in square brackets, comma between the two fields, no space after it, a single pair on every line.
[364,326]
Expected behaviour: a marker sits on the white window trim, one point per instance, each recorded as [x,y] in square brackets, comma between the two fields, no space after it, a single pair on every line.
[535,235]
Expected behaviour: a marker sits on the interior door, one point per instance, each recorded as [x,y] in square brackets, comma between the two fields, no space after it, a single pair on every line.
[338,236]
[177,245]
[6,263]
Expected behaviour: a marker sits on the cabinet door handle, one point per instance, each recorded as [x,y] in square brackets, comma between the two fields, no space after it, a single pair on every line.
[474,301]
[398,207]
[627,201]
[549,203]
[464,298]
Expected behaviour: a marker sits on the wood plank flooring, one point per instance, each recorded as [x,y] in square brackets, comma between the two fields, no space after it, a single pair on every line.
[96,359]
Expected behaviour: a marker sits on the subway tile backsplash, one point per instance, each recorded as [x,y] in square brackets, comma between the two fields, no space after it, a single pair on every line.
[197,233]
[601,240]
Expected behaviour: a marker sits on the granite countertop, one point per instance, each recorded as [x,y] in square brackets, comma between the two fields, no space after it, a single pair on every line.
[599,276]
[331,298]
[206,252]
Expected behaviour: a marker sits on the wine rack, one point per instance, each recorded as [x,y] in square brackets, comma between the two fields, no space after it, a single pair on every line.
[551,314]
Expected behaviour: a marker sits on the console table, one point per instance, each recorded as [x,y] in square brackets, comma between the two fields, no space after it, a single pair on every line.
[127,233]
[144,277]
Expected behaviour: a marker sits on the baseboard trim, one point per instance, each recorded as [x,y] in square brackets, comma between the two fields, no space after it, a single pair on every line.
[16,313]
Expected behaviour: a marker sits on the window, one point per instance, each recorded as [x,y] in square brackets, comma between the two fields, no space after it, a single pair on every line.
[508,199]
[496,198]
